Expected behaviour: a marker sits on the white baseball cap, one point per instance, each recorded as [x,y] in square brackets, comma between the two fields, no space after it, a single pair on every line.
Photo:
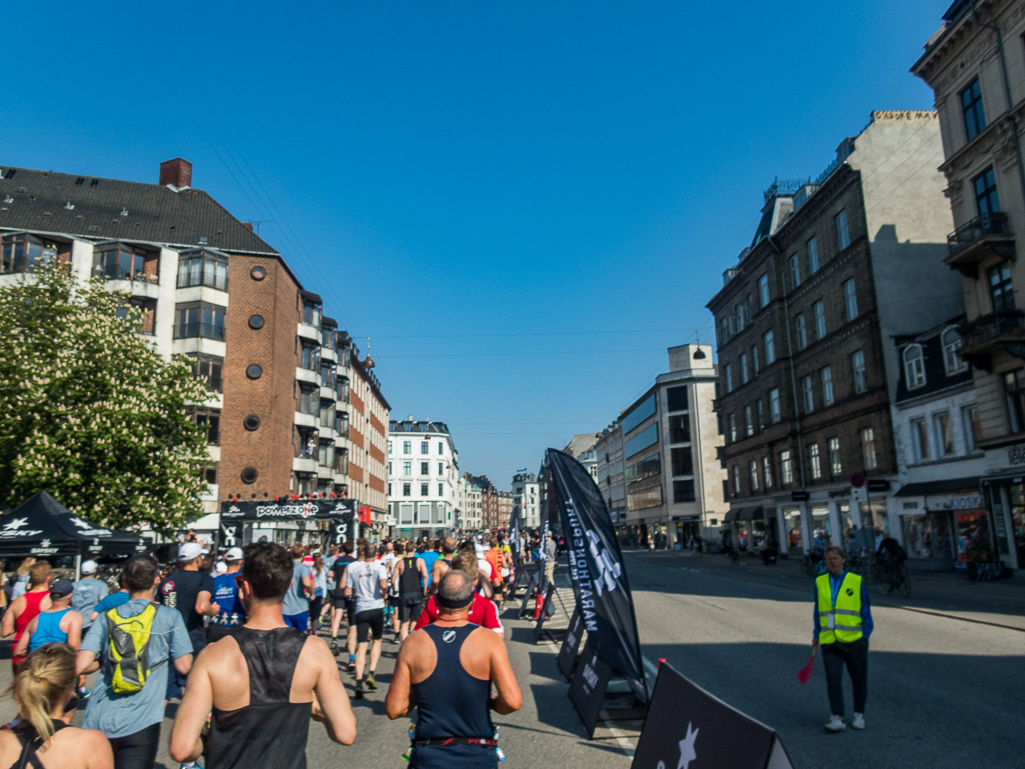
[88,567]
[234,554]
[189,550]
[221,567]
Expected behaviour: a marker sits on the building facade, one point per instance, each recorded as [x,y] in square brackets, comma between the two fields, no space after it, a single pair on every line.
[806,372]
[277,371]
[609,471]
[581,448]
[525,494]
[423,466]
[471,519]
[975,66]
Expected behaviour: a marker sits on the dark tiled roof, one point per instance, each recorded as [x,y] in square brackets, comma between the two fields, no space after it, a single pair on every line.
[155,214]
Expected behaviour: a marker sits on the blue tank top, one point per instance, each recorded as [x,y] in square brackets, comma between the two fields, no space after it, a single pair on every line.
[450,702]
[48,630]
[226,596]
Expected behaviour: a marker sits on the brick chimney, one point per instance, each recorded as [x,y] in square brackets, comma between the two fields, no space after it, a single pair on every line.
[177,172]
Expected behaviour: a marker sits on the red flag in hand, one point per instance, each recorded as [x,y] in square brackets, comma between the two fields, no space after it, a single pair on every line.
[805,673]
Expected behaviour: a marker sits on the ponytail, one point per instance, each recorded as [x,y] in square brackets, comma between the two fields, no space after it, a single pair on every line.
[42,680]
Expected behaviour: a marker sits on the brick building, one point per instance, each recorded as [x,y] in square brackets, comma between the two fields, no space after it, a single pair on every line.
[291,407]
[804,321]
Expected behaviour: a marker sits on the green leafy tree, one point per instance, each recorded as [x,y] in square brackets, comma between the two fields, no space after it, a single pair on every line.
[89,411]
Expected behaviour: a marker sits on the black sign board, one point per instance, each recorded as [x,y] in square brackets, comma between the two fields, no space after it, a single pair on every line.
[287,510]
[686,724]
[230,535]
[587,689]
[800,496]
[571,644]
[878,484]
[528,596]
[546,612]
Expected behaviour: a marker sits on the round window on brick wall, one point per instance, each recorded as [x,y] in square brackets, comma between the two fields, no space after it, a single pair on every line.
[249,475]
[253,371]
[258,273]
[256,321]
[251,422]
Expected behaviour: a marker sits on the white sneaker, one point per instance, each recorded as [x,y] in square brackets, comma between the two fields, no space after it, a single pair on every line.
[858,722]
[836,724]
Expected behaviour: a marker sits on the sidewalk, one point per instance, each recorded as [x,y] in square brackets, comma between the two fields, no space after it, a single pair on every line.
[1000,603]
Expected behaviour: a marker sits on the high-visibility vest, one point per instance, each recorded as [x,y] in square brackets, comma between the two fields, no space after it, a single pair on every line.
[841,622]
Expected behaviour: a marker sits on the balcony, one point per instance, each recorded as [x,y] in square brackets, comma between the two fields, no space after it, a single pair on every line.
[981,238]
[988,334]
[199,330]
[207,279]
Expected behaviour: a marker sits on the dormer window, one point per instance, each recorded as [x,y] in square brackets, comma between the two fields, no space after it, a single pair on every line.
[914,366]
[952,362]
[312,309]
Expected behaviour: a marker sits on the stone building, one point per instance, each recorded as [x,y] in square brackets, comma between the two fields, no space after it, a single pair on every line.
[525,494]
[609,471]
[423,467]
[806,369]
[975,64]
[282,379]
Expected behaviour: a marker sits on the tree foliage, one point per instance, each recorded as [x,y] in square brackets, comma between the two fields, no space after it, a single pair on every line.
[89,411]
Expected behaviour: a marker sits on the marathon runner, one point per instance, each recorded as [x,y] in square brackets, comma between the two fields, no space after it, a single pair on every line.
[232,614]
[410,574]
[442,564]
[340,604]
[367,581]
[262,685]
[483,612]
[447,669]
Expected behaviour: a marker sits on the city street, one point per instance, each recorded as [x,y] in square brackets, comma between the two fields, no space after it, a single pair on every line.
[943,692]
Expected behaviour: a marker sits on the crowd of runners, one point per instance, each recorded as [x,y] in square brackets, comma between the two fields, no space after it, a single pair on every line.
[238,638]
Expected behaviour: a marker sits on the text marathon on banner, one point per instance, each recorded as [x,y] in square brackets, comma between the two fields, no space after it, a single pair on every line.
[596,568]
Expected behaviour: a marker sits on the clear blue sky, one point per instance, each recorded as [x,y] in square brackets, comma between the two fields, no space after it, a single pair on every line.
[522,204]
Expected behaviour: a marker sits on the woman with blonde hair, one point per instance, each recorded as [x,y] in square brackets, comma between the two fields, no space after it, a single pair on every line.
[20,578]
[42,739]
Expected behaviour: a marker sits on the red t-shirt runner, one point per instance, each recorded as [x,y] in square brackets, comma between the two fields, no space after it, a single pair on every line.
[483,613]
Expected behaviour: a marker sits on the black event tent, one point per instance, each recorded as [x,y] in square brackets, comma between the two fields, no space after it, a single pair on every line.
[42,526]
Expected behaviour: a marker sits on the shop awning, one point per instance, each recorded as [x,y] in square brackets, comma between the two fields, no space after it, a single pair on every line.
[946,486]
[731,516]
[750,514]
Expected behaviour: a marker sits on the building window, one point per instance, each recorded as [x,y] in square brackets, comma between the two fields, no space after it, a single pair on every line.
[679,428]
[826,376]
[761,416]
[795,271]
[441,489]
[802,332]
[775,412]
[23,253]
[971,106]
[752,471]
[813,256]
[786,468]
[733,428]
[309,357]
[986,197]
[202,320]
[682,462]
[676,398]
[736,480]
[1014,389]
[972,426]
[406,489]
[858,369]
[815,461]
[312,313]
[820,319]
[425,489]
[425,447]
[914,366]
[1001,291]
[208,368]
[309,400]
[425,468]
[441,448]
[843,235]
[850,294]
[807,395]
[203,268]
[407,447]
[868,448]
[952,362]
[763,290]
[767,472]
[944,435]
[120,262]
[749,426]
[770,348]
[441,468]
[407,468]
[835,465]
[745,374]
[754,359]
[683,491]
[729,378]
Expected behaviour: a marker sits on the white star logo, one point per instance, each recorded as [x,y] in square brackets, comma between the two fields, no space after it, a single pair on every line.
[17,523]
[45,543]
[687,753]
[81,524]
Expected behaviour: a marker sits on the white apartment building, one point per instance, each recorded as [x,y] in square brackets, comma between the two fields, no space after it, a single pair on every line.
[525,494]
[423,471]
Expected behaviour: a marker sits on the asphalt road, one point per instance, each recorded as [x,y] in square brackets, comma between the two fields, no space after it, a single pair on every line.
[942,692]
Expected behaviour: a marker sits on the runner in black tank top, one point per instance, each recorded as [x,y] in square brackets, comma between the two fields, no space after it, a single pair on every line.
[270,731]
[412,587]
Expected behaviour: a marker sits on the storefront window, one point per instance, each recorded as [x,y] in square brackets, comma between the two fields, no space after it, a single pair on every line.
[973,537]
[928,535]
[820,525]
[792,521]
[1016,496]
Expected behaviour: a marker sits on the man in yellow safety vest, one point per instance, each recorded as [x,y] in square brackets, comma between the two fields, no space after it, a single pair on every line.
[843,623]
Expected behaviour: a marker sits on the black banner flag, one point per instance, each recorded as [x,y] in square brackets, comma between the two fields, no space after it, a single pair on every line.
[516,536]
[596,568]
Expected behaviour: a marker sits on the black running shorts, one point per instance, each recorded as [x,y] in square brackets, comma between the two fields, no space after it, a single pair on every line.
[370,622]
[410,613]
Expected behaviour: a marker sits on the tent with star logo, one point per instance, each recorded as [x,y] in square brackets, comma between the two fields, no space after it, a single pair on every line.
[42,527]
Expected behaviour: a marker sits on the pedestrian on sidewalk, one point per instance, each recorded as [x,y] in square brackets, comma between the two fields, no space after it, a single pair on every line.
[447,670]
[843,624]
[261,686]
